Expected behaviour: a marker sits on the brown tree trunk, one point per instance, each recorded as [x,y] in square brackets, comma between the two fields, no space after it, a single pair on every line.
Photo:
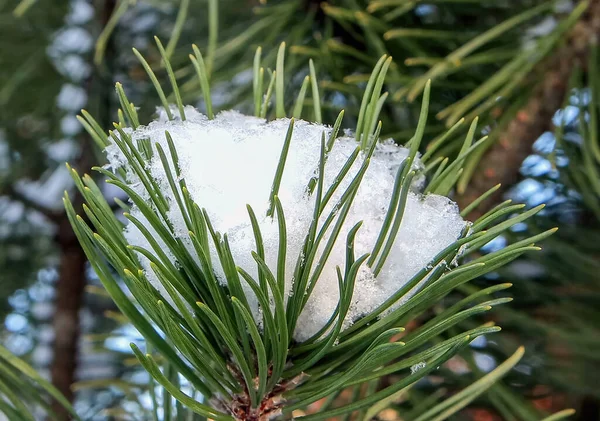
[69,294]
[72,279]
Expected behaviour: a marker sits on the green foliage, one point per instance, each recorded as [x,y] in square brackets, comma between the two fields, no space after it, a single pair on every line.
[211,337]
[26,128]
[559,316]
[23,390]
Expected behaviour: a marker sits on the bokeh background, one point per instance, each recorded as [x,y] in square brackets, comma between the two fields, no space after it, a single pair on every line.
[531,78]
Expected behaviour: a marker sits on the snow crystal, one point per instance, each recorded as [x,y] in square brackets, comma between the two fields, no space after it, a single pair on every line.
[418,367]
[230,162]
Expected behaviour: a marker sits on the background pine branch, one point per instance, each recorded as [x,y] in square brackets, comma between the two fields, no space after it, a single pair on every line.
[501,164]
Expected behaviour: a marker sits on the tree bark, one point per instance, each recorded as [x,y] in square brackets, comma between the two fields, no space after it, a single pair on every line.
[66,317]
[72,278]
[502,162]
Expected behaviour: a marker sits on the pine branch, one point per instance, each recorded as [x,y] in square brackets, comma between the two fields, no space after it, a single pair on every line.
[248,374]
[503,160]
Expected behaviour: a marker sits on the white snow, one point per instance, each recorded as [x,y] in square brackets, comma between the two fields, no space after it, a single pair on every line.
[81,12]
[543,28]
[563,6]
[230,161]
[47,191]
[529,40]
[418,367]
[71,97]
[484,362]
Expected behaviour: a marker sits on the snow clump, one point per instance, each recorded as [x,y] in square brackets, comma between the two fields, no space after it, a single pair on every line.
[230,161]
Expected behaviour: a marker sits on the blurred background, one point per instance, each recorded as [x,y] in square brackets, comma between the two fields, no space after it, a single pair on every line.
[527,68]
